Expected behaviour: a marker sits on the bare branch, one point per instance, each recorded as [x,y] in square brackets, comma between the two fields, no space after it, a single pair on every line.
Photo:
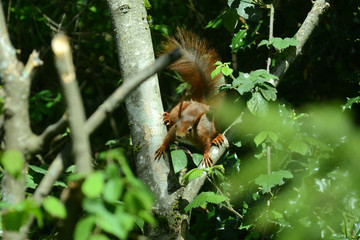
[58,165]
[193,187]
[271,33]
[125,89]
[34,61]
[65,67]
[302,36]
[37,144]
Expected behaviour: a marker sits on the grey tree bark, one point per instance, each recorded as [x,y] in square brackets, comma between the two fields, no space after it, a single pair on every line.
[144,107]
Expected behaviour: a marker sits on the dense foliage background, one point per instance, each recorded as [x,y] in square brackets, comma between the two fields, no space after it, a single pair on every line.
[312,142]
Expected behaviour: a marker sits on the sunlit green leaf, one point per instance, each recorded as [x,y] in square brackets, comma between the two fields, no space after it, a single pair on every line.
[12,220]
[193,174]
[205,197]
[298,146]
[226,70]
[93,185]
[261,137]
[38,169]
[350,102]
[268,91]
[197,158]
[55,207]
[13,162]
[84,228]
[99,237]
[238,41]
[113,190]
[257,105]
[179,160]
[276,178]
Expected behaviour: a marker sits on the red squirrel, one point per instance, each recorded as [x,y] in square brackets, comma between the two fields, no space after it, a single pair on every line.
[187,121]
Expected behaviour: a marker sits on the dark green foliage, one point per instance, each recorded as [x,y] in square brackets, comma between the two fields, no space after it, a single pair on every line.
[312,191]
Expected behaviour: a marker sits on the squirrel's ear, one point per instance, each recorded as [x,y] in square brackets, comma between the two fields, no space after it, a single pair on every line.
[197,119]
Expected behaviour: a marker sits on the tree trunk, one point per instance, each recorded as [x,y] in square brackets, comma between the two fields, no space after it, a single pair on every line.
[144,110]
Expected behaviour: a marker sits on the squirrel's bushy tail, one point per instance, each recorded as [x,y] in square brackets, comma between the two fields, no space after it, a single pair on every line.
[196,65]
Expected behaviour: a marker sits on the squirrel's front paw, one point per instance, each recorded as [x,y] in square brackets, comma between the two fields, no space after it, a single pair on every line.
[207,160]
[218,140]
[166,118]
[160,152]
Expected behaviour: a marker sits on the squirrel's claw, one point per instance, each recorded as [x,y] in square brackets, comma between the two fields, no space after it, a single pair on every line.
[166,119]
[218,140]
[207,160]
[160,153]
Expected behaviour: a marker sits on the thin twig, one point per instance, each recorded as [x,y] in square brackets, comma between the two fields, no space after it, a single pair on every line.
[227,205]
[271,33]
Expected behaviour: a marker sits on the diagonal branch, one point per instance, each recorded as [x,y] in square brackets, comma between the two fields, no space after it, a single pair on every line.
[125,89]
[302,36]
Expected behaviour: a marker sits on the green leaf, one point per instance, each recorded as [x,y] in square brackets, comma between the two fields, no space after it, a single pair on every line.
[12,220]
[54,207]
[205,197]
[84,228]
[247,10]
[298,146]
[138,200]
[243,83]
[306,222]
[258,105]
[215,23]
[197,158]
[99,237]
[216,71]
[281,44]
[118,224]
[71,169]
[246,227]
[179,160]
[261,137]
[264,42]
[113,190]
[147,4]
[230,19]
[350,102]
[193,174]
[146,215]
[238,41]
[268,91]
[30,182]
[60,184]
[93,185]
[13,162]
[273,136]
[262,73]
[276,178]
[38,169]
[291,41]
[226,70]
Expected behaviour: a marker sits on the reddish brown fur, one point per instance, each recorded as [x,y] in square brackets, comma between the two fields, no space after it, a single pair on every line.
[187,121]
[196,66]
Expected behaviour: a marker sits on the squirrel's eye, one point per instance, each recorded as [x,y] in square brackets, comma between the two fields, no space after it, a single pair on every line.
[189,129]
